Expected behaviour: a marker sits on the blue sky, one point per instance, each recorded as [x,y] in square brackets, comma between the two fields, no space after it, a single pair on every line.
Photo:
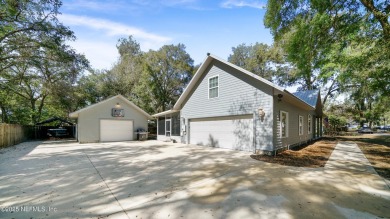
[213,26]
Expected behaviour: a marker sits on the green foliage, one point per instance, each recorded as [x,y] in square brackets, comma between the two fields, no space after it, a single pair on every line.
[153,80]
[263,60]
[336,122]
[338,46]
[166,73]
[36,65]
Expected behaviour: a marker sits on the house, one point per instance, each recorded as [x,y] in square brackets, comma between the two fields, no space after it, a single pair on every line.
[114,119]
[227,106]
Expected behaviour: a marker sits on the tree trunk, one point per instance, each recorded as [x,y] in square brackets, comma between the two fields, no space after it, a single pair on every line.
[382,18]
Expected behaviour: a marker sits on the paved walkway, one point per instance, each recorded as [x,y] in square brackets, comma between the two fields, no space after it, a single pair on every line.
[348,156]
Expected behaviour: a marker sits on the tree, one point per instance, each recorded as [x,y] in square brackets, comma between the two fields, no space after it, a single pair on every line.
[261,59]
[315,33]
[36,80]
[35,62]
[166,73]
[29,25]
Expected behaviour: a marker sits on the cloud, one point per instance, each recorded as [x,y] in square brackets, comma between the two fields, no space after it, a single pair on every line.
[101,54]
[243,3]
[112,28]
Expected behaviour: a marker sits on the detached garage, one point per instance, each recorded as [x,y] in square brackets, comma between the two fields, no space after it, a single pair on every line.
[114,119]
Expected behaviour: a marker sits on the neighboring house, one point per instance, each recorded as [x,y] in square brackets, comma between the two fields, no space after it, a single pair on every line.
[226,106]
[114,119]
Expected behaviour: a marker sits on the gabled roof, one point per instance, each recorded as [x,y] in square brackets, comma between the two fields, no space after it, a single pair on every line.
[202,69]
[308,96]
[128,102]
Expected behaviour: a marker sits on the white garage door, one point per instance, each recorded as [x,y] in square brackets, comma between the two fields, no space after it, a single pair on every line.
[116,130]
[230,132]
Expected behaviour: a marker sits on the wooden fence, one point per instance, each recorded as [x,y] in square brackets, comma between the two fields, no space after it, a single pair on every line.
[11,134]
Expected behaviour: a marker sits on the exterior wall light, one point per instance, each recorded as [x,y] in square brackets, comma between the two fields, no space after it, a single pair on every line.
[280,96]
[261,113]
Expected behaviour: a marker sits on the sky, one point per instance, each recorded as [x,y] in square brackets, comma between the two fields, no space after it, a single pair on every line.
[203,26]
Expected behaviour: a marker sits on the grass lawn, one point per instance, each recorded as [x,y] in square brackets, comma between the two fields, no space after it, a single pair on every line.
[376,148]
[313,155]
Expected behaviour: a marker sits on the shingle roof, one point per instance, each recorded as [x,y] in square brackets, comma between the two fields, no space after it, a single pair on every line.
[308,96]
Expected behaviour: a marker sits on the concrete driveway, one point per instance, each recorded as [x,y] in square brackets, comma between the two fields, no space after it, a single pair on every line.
[164,180]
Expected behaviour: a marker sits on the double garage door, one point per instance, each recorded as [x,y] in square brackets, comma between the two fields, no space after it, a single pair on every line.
[234,133]
[116,130]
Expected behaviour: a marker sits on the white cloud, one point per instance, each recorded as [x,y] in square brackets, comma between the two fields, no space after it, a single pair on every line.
[97,38]
[112,28]
[243,3]
[101,54]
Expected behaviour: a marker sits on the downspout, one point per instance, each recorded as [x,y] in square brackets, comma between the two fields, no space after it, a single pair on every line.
[254,122]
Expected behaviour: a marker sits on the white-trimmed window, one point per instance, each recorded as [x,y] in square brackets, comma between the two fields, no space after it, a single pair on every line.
[309,118]
[283,124]
[300,128]
[213,87]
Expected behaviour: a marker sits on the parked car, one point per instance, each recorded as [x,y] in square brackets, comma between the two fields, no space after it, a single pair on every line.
[365,130]
[59,132]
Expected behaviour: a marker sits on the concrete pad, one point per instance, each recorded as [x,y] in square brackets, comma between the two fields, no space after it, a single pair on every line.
[165,180]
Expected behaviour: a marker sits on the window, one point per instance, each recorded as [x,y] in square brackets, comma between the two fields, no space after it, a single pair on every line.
[284,124]
[300,128]
[213,87]
[176,124]
[309,124]
[161,126]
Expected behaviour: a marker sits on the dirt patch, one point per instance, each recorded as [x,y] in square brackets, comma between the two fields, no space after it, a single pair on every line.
[314,155]
[376,148]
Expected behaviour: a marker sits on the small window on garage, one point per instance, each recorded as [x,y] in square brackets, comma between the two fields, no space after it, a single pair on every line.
[213,87]
[161,126]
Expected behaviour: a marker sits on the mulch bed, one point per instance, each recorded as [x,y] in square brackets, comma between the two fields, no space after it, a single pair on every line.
[314,155]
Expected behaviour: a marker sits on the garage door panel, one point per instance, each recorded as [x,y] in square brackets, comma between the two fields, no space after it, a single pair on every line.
[233,134]
[116,130]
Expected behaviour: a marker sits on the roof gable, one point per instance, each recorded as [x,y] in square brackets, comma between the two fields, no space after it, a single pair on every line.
[203,69]
[128,102]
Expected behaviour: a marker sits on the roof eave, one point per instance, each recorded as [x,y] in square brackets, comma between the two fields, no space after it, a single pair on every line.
[165,113]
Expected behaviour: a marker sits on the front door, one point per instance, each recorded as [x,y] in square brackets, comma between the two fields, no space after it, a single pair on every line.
[168,127]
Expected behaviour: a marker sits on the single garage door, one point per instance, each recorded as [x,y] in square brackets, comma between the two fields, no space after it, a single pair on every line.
[225,132]
[116,130]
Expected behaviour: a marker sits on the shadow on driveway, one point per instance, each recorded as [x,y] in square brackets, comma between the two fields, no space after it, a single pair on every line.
[163,180]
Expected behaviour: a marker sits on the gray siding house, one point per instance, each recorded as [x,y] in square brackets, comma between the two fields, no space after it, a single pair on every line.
[113,119]
[229,107]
